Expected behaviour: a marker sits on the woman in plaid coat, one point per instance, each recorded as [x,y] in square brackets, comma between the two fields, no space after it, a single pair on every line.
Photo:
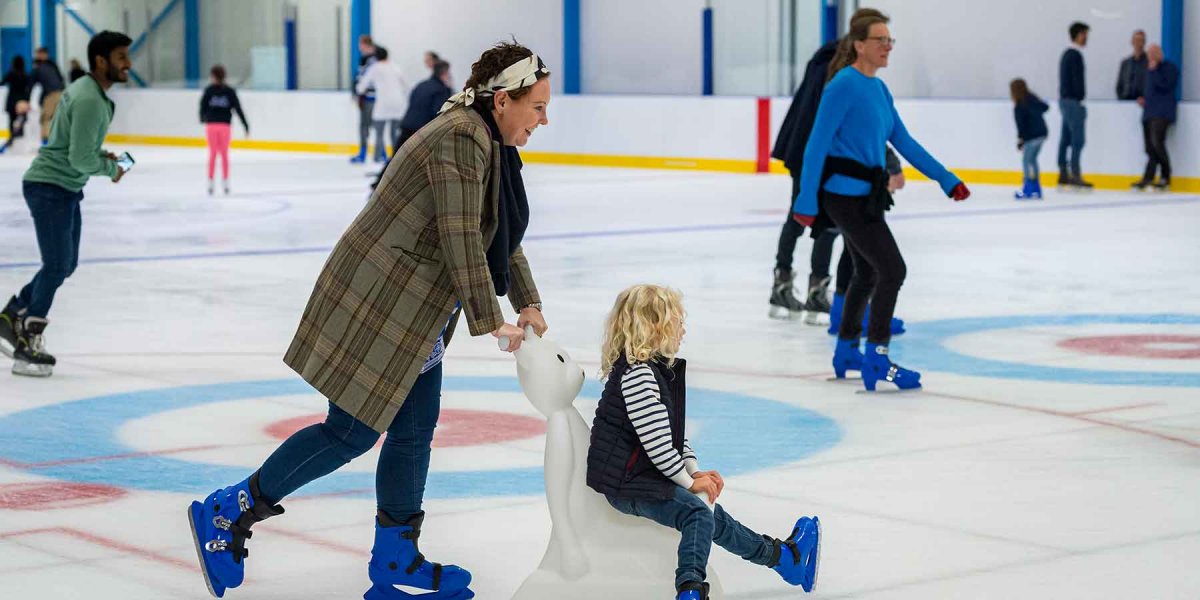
[439,238]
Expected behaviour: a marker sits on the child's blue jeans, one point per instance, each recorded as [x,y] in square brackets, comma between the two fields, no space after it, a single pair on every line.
[687,513]
[1029,164]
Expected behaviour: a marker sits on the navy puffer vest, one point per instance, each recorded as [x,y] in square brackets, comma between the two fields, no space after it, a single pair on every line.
[617,464]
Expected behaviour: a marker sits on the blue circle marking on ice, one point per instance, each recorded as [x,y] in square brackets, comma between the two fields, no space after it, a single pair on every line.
[924,346]
[76,441]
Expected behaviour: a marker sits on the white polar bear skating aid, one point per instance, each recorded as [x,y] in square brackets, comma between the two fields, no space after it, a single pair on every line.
[595,552]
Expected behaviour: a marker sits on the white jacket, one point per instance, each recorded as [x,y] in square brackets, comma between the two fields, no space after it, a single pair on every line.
[391,91]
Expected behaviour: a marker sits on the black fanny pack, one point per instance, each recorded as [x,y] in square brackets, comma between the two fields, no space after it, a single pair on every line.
[879,199]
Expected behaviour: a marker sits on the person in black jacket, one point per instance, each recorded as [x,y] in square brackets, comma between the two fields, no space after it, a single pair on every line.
[17,102]
[1159,109]
[1031,133]
[47,75]
[76,70]
[216,112]
[1131,78]
[1072,89]
[424,102]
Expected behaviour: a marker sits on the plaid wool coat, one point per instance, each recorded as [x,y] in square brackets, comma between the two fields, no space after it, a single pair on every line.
[393,279]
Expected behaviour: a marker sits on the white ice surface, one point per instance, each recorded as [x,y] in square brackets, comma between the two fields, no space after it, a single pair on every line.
[978,487]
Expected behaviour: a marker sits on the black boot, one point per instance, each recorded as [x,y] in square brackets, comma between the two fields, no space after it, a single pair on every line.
[784,303]
[30,357]
[816,307]
[10,328]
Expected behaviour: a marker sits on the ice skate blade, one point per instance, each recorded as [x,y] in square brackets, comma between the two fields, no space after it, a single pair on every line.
[816,318]
[889,391]
[817,557]
[26,369]
[401,592]
[780,313]
[200,550]
[836,379]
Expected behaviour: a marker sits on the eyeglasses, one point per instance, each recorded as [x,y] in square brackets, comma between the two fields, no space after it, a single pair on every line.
[884,40]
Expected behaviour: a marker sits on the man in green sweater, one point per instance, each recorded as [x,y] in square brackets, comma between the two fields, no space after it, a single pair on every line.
[53,188]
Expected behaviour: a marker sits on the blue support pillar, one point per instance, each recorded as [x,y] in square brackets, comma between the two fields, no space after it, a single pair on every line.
[707,51]
[571,67]
[289,42]
[1172,35]
[191,42]
[49,25]
[829,21]
[29,45]
[360,24]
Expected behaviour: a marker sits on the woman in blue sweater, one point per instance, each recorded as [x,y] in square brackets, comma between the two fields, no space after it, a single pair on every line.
[844,170]
[1031,133]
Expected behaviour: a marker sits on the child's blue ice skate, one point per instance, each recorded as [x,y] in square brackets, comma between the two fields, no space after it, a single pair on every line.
[878,367]
[220,528]
[397,563]
[800,554]
[693,591]
[847,357]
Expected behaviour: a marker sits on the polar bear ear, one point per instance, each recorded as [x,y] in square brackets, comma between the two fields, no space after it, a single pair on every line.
[530,333]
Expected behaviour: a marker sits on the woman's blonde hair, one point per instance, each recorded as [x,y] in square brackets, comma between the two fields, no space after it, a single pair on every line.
[646,322]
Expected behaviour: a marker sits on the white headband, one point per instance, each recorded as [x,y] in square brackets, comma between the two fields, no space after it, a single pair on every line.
[521,74]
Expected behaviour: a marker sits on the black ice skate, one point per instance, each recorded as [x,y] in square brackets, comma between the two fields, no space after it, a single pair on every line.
[1162,185]
[10,328]
[784,303]
[30,358]
[816,307]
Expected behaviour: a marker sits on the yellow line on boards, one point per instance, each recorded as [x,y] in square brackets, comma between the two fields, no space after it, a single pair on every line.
[1103,181]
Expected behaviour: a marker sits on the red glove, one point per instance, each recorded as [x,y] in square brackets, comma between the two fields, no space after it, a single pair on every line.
[805,220]
[960,192]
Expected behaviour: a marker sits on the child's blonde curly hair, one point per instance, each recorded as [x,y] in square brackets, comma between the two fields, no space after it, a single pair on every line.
[646,322]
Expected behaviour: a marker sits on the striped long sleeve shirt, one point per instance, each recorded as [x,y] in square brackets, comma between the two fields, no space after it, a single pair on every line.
[653,426]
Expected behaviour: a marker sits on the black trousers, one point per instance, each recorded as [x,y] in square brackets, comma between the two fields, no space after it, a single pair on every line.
[822,251]
[1154,131]
[879,270]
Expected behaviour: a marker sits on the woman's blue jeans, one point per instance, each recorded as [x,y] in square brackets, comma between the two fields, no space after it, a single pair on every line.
[318,450]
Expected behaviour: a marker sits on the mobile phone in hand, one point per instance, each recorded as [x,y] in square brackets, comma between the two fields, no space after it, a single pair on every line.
[125,161]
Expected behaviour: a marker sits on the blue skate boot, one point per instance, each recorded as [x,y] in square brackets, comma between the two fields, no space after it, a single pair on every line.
[847,357]
[878,367]
[397,563]
[361,157]
[897,324]
[799,555]
[220,528]
[835,313]
[693,591]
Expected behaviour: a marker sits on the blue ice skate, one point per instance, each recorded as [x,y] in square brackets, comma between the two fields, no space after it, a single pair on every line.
[693,591]
[397,563]
[220,528]
[847,357]
[878,367]
[800,554]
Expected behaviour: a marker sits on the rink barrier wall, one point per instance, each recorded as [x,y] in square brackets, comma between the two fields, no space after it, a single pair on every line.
[975,138]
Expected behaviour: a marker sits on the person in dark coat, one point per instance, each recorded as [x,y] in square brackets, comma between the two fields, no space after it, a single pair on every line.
[17,103]
[1131,79]
[47,75]
[1159,108]
[1028,111]
[76,70]
[423,105]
